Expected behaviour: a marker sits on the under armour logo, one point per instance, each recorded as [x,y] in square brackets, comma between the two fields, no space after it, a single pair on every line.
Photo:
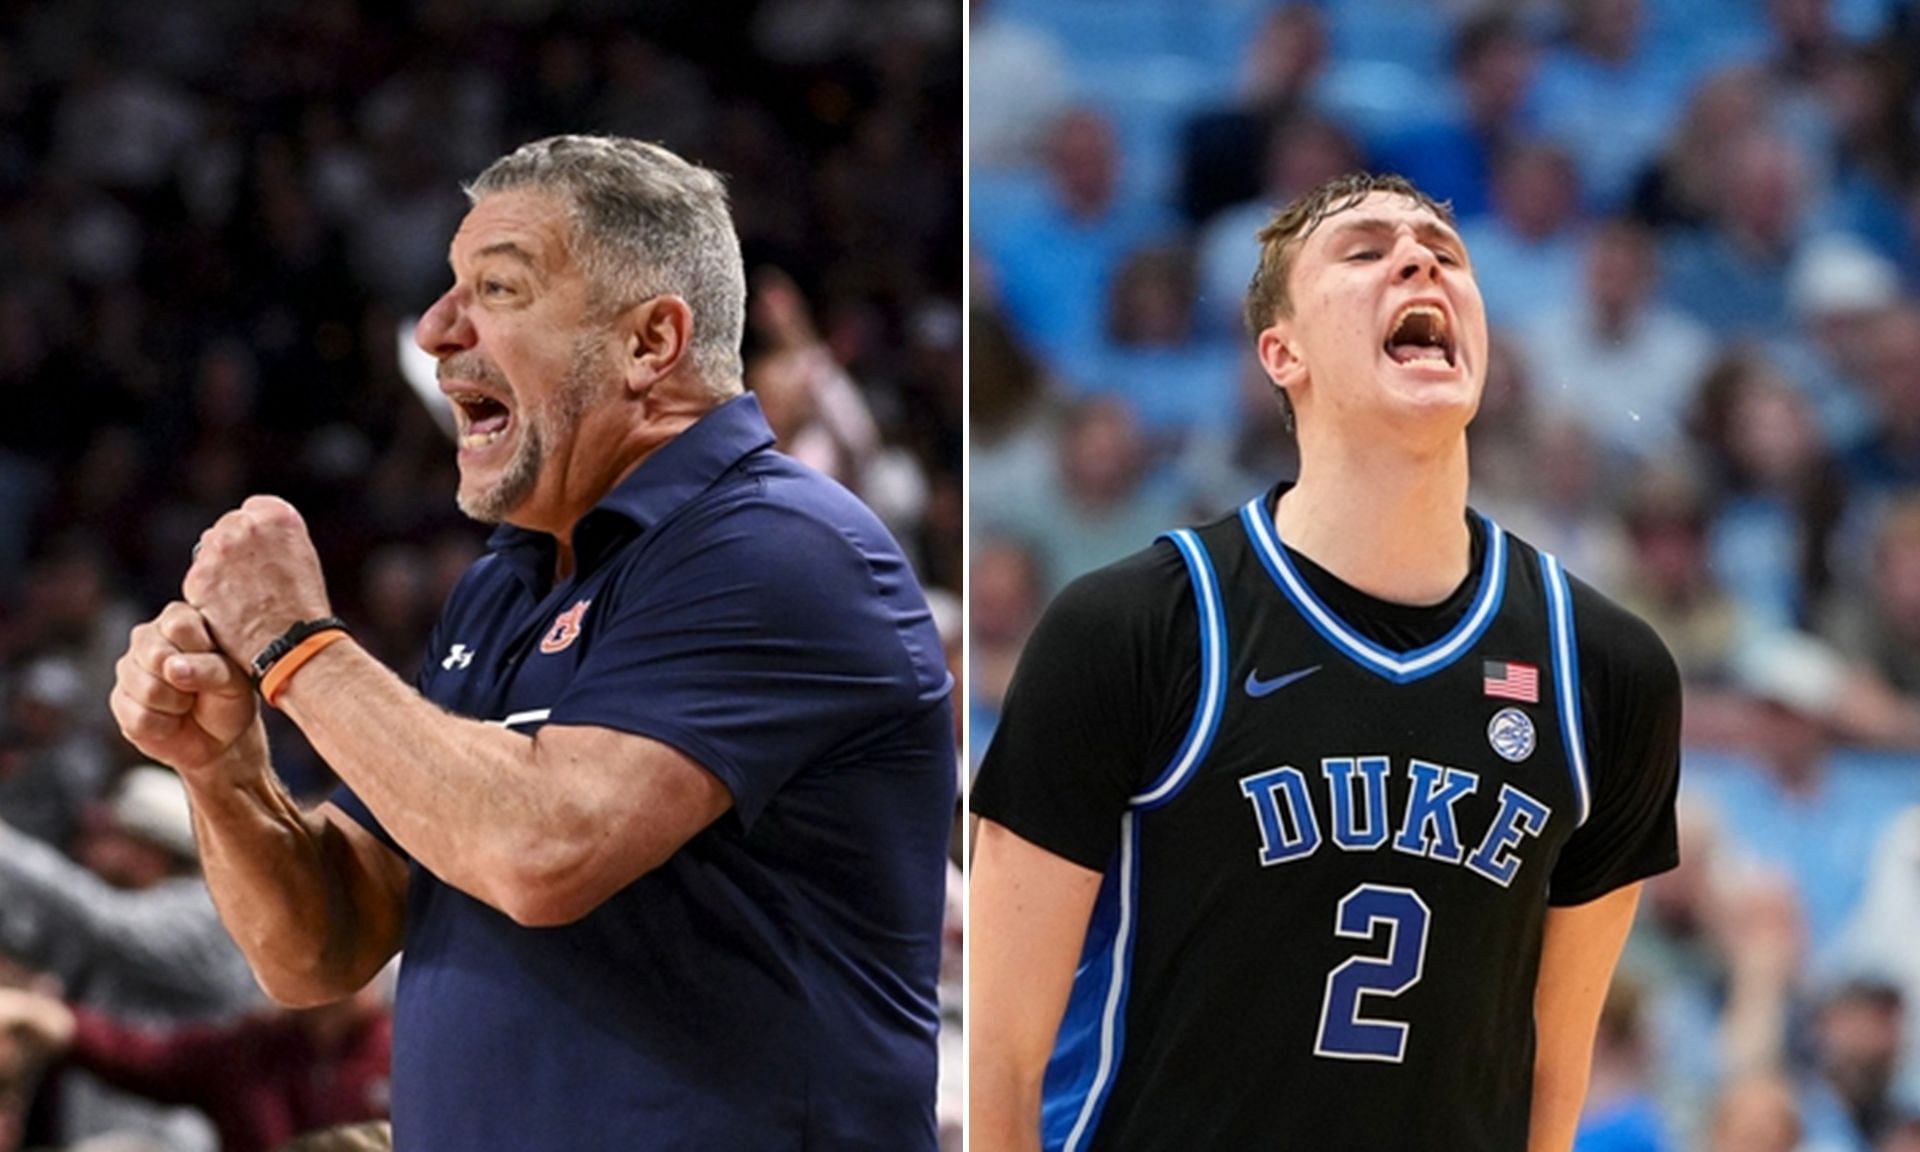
[459,656]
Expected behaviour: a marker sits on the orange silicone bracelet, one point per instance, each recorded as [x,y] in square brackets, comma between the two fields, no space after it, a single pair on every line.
[284,668]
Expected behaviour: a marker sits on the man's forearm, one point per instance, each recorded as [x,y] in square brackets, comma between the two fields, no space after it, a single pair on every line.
[1579,948]
[463,797]
[289,890]
[1003,1114]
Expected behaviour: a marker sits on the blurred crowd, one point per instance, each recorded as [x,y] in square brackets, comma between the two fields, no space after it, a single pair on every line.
[1696,225]
[217,220]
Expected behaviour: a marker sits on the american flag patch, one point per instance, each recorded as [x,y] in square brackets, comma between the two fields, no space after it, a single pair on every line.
[1512,680]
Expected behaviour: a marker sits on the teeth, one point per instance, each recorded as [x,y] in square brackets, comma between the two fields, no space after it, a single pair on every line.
[482,439]
[1427,311]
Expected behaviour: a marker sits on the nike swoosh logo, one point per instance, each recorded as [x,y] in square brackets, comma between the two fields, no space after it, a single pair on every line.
[1257,687]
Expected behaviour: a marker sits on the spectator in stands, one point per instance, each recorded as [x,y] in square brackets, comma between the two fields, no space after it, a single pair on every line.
[1502,436]
[1100,499]
[1020,83]
[1839,290]
[72,607]
[262,1080]
[1453,158]
[1887,457]
[817,413]
[1732,276]
[1222,147]
[1151,304]
[1608,95]
[1803,62]
[1570,507]
[1668,580]
[1612,357]
[1680,953]
[131,932]
[1878,625]
[1008,589]
[1011,434]
[1875,146]
[1779,492]
[1226,461]
[1882,942]
[52,765]
[1527,252]
[1789,805]
[1152,341]
[1849,1099]
[1682,187]
[1054,263]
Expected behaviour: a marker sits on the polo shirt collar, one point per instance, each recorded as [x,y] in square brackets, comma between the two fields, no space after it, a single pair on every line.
[678,470]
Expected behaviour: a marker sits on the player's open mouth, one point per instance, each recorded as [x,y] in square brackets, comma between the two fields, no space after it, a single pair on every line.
[1421,334]
[483,419]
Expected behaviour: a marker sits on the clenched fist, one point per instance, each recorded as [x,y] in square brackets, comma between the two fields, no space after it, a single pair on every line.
[255,574]
[183,702]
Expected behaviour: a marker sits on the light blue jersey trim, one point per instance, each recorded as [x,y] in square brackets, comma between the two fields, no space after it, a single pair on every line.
[1566,680]
[1399,667]
[1213,674]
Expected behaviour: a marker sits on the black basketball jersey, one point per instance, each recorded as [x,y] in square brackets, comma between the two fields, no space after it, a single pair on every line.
[1321,927]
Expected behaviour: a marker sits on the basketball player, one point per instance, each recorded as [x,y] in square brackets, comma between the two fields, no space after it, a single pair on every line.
[662,827]
[1321,826]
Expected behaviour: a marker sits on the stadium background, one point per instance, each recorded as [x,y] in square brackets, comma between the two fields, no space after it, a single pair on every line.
[1697,227]
[215,216]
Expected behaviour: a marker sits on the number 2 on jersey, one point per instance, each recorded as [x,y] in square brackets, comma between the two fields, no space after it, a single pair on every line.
[1365,914]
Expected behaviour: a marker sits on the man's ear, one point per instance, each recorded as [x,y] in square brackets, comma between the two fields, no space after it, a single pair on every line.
[1280,356]
[656,335]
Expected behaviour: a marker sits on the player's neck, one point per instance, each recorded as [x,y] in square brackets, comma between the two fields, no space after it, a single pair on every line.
[1390,525]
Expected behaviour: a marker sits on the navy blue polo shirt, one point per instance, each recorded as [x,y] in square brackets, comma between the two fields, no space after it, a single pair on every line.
[772,985]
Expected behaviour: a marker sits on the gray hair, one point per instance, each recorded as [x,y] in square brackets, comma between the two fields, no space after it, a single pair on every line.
[645,222]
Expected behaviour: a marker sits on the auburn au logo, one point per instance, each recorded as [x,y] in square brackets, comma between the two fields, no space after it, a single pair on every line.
[565,630]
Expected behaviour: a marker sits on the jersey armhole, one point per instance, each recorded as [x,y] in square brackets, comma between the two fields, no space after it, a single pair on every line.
[1213,674]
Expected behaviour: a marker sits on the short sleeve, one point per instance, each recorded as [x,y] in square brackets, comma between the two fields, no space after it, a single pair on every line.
[1104,689]
[770,635]
[1631,700]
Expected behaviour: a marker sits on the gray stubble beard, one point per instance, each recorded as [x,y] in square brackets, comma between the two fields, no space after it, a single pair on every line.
[562,415]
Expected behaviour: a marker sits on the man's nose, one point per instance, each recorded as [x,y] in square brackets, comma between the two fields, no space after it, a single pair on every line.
[1416,260]
[443,329]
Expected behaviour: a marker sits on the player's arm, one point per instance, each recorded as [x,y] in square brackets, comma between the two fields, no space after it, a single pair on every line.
[543,828]
[1105,690]
[313,900]
[1029,916]
[1631,707]
[1580,947]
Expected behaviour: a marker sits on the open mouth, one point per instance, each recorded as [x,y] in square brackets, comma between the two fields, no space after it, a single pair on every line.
[1421,335]
[483,419]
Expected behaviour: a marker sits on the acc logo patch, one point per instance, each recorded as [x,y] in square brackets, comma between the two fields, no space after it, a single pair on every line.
[566,629]
[1512,734]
